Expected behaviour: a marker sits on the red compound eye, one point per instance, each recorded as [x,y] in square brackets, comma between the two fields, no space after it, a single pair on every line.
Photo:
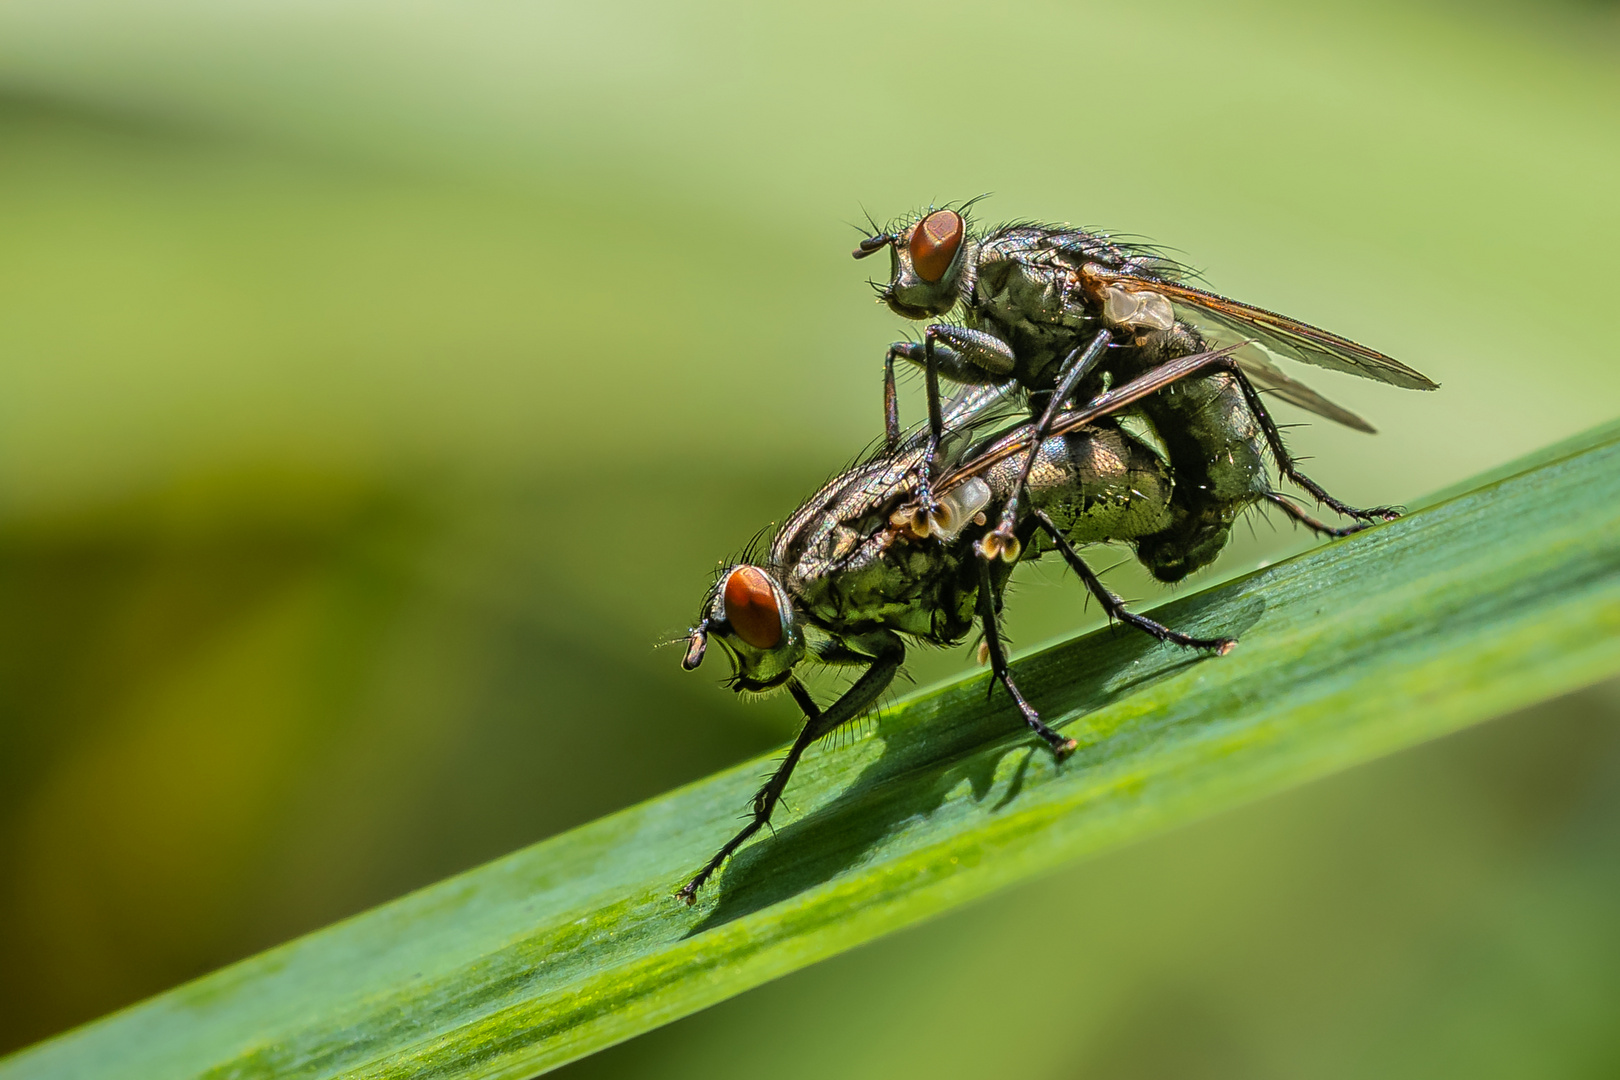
[933,244]
[751,607]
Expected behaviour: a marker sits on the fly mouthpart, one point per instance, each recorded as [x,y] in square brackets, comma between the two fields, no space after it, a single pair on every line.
[696,645]
[872,245]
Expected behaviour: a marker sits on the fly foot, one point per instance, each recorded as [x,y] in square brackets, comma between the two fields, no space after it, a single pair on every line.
[1060,745]
[1375,513]
[920,518]
[1371,514]
[1000,543]
[1359,519]
[687,894]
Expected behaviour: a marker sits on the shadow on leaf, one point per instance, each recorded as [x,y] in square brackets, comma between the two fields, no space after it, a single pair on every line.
[960,736]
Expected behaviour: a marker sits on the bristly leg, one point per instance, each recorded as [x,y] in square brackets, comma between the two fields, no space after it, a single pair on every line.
[936,422]
[1285,460]
[1281,501]
[936,416]
[1115,607]
[867,689]
[891,402]
[1061,747]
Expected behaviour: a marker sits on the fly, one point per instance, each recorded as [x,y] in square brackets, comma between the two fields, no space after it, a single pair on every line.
[876,557]
[1062,313]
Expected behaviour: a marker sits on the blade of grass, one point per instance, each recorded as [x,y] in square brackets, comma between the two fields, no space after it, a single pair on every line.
[1471,607]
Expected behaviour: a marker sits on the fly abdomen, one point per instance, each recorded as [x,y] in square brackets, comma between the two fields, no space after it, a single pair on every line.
[1095,484]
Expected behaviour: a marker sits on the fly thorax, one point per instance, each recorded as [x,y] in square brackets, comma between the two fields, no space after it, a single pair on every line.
[1045,294]
[842,550]
[876,593]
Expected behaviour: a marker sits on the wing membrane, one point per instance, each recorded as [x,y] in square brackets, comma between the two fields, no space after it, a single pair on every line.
[1268,376]
[1288,336]
[972,406]
[1103,405]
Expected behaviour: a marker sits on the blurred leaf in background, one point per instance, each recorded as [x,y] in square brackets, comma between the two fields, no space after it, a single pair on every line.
[379,384]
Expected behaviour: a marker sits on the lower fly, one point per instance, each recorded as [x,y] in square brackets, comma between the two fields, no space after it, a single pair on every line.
[879,556]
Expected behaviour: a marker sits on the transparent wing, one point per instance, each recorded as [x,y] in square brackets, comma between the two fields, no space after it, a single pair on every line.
[971,408]
[1018,439]
[1268,376]
[975,406]
[1279,333]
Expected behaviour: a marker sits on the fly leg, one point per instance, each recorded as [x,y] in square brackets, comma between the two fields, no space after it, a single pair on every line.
[936,416]
[891,405]
[1115,607]
[1319,528]
[766,798]
[1285,461]
[1220,442]
[968,362]
[910,350]
[956,353]
[1061,747]
[855,701]
[1076,366]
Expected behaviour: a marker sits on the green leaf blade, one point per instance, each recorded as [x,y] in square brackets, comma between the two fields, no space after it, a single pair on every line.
[1467,609]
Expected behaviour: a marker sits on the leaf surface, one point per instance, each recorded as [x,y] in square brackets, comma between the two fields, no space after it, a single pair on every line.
[1475,605]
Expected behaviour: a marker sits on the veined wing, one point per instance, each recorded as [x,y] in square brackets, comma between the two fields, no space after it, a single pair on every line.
[973,407]
[1018,440]
[879,479]
[1291,337]
[1268,376]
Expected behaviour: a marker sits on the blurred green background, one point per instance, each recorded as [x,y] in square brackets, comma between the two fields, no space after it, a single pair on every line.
[381,382]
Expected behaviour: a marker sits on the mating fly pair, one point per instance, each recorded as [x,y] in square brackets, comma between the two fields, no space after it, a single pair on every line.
[902,545]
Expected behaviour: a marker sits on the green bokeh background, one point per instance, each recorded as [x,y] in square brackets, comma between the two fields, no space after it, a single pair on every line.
[380,383]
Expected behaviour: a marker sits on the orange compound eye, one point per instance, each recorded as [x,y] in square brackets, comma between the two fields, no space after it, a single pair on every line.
[751,607]
[934,243]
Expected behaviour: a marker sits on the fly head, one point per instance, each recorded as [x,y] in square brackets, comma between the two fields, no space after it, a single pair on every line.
[750,614]
[926,260]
